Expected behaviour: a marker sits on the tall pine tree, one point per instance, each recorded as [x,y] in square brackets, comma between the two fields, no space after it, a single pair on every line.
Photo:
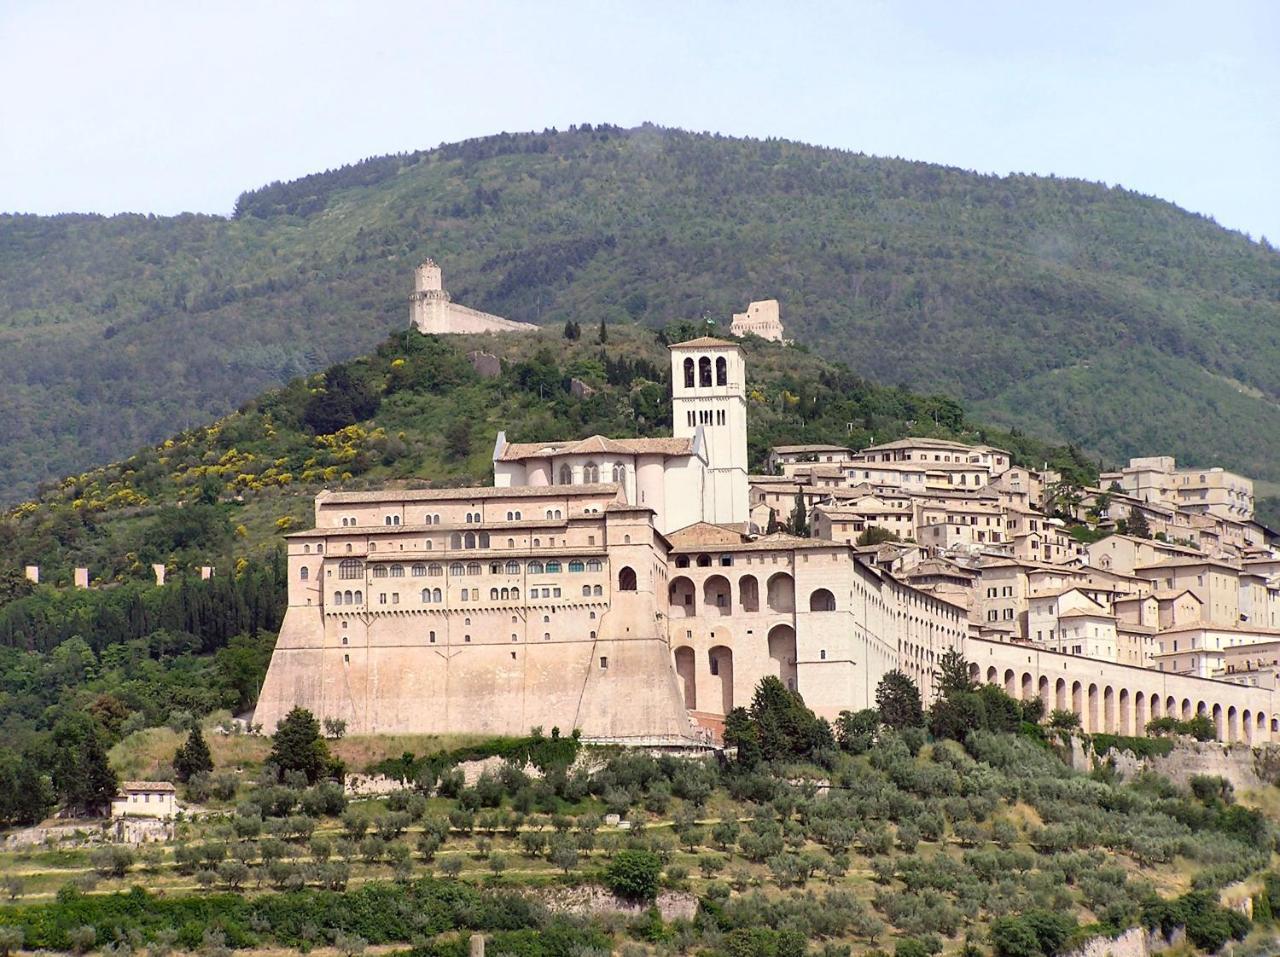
[193,757]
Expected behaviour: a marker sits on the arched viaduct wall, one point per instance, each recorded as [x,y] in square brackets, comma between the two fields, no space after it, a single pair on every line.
[1121,699]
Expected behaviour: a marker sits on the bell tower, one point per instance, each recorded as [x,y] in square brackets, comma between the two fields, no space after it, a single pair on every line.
[709,395]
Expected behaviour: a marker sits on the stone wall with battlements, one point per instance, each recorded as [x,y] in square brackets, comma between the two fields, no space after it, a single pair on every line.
[433,313]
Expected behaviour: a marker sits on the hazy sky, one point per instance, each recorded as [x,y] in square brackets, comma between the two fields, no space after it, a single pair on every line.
[175,105]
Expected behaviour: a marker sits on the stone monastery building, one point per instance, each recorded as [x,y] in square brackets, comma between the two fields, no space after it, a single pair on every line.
[619,587]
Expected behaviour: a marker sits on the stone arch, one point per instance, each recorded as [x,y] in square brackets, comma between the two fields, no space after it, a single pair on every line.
[1216,717]
[1139,712]
[626,578]
[682,598]
[1009,682]
[1091,710]
[782,593]
[1171,708]
[1186,709]
[749,593]
[782,649]
[722,371]
[686,670]
[1246,725]
[1060,694]
[992,674]
[1028,686]
[704,372]
[720,664]
[1109,709]
[717,597]
[821,599]
[1233,724]
[688,372]
[1042,690]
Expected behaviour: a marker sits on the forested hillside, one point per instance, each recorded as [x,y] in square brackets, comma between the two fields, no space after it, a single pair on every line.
[1068,309]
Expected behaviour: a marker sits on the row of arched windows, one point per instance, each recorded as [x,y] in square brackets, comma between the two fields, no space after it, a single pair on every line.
[348,597]
[704,372]
[591,474]
[351,568]
[469,540]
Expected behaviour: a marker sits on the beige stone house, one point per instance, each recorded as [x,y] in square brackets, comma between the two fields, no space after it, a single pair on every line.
[158,799]
[1216,584]
[783,459]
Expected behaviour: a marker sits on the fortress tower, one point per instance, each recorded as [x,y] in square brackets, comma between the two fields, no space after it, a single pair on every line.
[433,313]
[709,392]
[761,319]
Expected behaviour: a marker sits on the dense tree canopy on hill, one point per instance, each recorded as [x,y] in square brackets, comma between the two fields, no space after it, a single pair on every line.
[1069,309]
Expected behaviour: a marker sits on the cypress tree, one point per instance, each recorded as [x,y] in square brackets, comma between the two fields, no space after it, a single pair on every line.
[193,757]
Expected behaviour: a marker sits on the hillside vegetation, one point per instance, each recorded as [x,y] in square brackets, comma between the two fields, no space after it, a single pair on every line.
[1065,308]
[415,411]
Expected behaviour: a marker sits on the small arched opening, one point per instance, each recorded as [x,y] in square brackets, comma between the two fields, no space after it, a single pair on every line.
[681,597]
[716,596]
[782,593]
[782,651]
[686,666]
[720,664]
[822,600]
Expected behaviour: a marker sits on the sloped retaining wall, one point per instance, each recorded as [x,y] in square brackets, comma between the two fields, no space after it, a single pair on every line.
[1237,763]
[1134,942]
[591,899]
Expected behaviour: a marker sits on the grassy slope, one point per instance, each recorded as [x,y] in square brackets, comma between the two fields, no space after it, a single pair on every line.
[119,330]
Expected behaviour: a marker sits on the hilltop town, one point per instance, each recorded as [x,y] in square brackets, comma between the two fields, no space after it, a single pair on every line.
[659,571]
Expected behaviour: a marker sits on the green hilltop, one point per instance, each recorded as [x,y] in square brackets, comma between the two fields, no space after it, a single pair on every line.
[1068,309]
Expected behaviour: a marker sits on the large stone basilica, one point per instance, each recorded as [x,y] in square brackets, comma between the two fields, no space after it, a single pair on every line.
[617,586]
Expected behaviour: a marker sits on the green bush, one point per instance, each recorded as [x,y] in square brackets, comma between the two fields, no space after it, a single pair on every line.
[634,874]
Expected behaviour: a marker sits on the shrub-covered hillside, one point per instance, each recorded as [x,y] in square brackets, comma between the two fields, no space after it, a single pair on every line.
[1066,308]
[871,839]
[416,411]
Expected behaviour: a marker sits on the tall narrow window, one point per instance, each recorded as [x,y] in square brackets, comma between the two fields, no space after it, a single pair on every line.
[688,373]
[704,371]
[722,371]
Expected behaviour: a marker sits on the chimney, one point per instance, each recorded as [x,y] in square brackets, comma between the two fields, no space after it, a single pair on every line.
[158,569]
[81,578]
[33,574]
[206,572]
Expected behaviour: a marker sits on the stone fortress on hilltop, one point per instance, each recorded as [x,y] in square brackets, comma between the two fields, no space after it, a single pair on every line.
[761,319]
[433,313]
[634,588]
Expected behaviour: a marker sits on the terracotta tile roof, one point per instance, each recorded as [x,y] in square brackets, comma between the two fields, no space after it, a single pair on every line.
[596,445]
[1084,613]
[702,342]
[790,449]
[704,536]
[466,493]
